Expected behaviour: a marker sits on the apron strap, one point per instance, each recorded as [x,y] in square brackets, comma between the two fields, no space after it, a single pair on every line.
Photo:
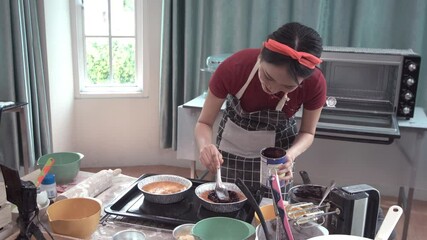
[282,102]
[243,89]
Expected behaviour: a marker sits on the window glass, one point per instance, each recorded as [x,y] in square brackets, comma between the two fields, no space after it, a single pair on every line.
[108,58]
[122,18]
[96,17]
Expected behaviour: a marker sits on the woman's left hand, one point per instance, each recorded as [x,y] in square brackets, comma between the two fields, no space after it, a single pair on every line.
[285,171]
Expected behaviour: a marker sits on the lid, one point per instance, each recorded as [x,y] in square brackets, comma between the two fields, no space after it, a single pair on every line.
[49,179]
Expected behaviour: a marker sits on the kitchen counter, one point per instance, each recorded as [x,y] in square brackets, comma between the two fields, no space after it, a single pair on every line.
[406,153]
[109,224]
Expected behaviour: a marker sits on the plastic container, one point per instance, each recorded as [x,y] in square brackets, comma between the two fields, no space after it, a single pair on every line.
[271,159]
[49,185]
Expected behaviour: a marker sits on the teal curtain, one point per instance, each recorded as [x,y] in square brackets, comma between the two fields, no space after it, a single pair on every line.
[23,78]
[195,29]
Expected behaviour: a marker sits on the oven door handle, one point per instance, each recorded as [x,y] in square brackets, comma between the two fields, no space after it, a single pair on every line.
[357,138]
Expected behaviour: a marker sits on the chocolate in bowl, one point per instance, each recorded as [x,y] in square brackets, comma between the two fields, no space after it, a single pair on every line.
[202,191]
[306,193]
[212,196]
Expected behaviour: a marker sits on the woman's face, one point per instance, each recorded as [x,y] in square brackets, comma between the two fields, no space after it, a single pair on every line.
[276,78]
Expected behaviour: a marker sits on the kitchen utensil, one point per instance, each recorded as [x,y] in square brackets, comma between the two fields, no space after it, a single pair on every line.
[277,198]
[202,190]
[66,167]
[44,171]
[253,203]
[183,230]
[327,191]
[223,228]
[305,178]
[75,217]
[165,198]
[220,189]
[305,214]
[129,234]
[386,228]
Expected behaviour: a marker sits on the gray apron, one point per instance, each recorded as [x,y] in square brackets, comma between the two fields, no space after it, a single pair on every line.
[242,135]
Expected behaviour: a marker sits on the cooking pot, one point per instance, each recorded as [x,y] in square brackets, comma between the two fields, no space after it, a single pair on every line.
[390,221]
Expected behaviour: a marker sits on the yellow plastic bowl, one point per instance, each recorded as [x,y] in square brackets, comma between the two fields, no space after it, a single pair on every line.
[267,212]
[75,217]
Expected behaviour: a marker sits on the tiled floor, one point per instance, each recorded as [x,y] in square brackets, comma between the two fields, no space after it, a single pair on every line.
[417,229]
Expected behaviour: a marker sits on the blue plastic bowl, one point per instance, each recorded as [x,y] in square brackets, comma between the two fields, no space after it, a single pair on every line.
[66,166]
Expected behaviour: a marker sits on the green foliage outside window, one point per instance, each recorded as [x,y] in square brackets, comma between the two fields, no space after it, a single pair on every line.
[98,69]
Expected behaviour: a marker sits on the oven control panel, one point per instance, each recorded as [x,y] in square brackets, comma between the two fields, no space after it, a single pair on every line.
[408,86]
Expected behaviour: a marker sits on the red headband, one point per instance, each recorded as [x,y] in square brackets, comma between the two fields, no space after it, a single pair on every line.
[303,58]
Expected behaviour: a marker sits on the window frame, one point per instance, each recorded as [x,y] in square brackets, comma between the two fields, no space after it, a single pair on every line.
[79,60]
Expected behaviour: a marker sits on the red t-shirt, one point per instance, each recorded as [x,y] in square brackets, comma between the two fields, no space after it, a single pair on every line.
[232,74]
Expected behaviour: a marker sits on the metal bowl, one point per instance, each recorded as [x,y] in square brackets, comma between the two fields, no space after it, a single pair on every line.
[165,198]
[129,234]
[298,233]
[306,193]
[182,230]
[220,207]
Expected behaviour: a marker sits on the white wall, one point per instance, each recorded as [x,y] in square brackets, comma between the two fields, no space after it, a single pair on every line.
[109,132]
[384,167]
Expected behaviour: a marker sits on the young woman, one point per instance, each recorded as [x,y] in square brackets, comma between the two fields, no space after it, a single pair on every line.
[263,89]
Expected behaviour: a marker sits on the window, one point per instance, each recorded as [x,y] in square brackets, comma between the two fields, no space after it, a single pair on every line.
[107,46]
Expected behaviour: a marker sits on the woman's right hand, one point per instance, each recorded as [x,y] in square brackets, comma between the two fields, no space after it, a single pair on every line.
[211,158]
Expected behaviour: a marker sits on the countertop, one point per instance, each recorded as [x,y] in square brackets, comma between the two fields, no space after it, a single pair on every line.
[109,224]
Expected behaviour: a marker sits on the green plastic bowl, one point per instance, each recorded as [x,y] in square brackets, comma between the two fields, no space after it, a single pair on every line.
[222,228]
[66,166]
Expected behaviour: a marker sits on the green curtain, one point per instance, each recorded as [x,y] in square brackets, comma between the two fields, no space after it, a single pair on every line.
[23,78]
[195,29]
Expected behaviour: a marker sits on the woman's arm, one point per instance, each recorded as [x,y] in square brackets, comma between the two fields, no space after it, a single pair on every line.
[209,154]
[303,140]
[306,133]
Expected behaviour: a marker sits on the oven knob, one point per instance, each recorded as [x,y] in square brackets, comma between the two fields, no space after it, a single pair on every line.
[406,110]
[412,67]
[410,81]
[408,96]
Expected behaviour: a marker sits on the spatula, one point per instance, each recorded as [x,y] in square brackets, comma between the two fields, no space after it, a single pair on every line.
[220,190]
[252,201]
[277,198]
[44,171]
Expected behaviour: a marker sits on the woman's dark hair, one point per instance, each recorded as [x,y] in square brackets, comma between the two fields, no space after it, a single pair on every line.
[299,37]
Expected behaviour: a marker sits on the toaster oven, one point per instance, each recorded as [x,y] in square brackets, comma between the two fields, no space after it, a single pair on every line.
[367,91]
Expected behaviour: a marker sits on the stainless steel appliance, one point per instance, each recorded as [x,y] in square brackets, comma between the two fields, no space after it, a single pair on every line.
[368,89]
[356,210]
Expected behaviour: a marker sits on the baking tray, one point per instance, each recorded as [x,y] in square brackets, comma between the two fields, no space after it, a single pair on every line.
[131,203]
